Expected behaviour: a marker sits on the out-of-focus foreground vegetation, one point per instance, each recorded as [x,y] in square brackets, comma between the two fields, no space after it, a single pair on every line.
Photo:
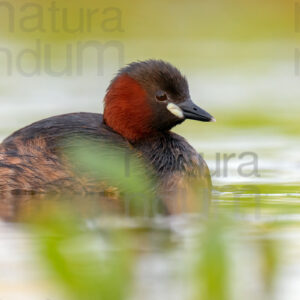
[96,254]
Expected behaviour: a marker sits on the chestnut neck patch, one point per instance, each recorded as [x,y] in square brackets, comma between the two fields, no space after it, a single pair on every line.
[127,110]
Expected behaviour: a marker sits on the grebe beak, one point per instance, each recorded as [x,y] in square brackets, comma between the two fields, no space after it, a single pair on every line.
[192,111]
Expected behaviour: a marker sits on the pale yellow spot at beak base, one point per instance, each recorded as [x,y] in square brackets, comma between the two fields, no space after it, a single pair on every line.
[175,110]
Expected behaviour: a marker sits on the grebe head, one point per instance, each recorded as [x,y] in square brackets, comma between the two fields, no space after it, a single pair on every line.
[147,97]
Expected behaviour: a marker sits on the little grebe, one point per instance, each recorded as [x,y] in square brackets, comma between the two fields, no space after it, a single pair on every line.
[143,102]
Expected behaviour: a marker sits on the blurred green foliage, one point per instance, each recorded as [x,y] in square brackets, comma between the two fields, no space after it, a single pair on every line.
[120,168]
[101,263]
[85,264]
[212,274]
[270,261]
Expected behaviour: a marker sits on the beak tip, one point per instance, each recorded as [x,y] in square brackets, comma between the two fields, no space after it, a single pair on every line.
[213,120]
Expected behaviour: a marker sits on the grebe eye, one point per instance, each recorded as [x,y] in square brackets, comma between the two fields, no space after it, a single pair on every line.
[161,96]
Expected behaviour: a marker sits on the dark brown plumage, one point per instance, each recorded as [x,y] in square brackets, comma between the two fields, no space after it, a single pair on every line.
[33,159]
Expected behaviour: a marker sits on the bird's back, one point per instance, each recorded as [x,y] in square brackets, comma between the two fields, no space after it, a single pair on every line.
[31,158]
